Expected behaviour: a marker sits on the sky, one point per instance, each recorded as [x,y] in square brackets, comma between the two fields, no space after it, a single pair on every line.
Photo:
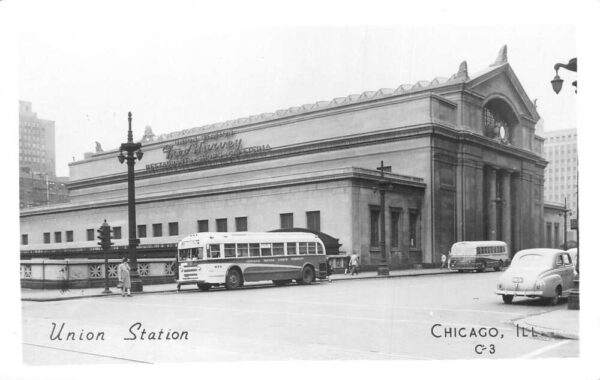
[174,68]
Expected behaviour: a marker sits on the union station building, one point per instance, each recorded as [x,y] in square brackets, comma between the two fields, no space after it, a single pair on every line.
[465,165]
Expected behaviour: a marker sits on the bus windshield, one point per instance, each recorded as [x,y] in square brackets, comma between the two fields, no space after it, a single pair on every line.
[191,254]
[463,250]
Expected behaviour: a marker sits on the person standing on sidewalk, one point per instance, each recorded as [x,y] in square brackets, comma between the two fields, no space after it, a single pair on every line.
[443,261]
[354,264]
[124,278]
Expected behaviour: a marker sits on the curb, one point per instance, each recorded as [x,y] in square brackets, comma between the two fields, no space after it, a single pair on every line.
[546,331]
[175,290]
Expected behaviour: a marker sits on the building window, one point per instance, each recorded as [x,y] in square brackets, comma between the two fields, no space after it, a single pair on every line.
[313,220]
[286,220]
[89,234]
[46,237]
[141,231]
[116,233]
[241,224]
[173,229]
[222,225]
[374,226]
[414,230]
[69,236]
[58,237]
[395,214]
[203,225]
[24,239]
[157,230]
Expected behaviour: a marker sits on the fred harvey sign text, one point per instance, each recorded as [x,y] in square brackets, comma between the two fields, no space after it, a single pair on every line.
[135,332]
[196,150]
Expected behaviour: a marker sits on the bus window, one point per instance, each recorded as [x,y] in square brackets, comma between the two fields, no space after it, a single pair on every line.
[320,249]
[278,249]
[254,249]
[229,250]
[303,248]
[291,248]
[312,248]
[265,249]
[184,254]
[215,251]
[242,250]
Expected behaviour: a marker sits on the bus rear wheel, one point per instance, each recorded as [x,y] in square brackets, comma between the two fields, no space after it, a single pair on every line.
[499,266]
[308,276]
[233,280]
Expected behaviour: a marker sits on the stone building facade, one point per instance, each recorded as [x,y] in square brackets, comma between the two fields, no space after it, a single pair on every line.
[465,165]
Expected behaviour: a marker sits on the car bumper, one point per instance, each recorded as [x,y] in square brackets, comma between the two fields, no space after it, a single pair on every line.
[525,293]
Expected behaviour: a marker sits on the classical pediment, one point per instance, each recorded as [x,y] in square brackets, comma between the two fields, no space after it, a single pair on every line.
[501,81]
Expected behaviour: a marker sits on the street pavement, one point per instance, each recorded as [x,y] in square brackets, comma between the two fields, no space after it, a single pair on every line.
[392,318]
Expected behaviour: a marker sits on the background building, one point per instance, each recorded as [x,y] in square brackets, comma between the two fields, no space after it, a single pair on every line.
[465,165]
[560,185]
[38,184]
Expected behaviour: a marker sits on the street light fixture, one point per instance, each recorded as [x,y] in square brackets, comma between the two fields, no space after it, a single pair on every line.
[557,82]
[132,151]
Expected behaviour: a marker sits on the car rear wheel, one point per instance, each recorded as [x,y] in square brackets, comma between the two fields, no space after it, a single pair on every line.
[507,298]
[554,299]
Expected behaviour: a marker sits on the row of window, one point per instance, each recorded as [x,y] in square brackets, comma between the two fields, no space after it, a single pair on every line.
[313,222]
[486,250]
[214,251]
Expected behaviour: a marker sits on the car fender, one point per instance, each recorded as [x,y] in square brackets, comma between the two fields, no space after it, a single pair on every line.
[551,281]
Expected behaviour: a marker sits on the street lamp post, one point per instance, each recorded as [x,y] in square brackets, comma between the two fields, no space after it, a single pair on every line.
[557,86]
[133,151]
[383,269]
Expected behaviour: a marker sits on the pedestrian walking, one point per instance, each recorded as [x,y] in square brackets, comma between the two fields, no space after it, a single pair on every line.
[124,278]
[443,261]
[354,264]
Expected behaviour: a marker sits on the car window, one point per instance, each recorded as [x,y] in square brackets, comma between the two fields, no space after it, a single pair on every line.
[559,260]
[567,259]
[532,260]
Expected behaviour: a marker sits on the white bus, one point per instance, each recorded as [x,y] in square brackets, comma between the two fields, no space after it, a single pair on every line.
[210,259]
[478,255]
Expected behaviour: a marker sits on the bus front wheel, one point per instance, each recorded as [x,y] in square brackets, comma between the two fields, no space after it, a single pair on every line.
[308,276]
[233,279]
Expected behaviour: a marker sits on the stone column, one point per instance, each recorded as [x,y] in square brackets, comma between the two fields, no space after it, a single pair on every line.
[491,203]
[506,208]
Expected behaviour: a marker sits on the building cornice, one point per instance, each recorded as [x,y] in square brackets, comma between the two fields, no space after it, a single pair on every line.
[293,180]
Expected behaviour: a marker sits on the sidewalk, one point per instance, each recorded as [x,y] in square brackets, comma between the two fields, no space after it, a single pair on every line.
[557,324]
[57,295]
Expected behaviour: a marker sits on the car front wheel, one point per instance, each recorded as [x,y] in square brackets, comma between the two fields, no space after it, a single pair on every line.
[507,298]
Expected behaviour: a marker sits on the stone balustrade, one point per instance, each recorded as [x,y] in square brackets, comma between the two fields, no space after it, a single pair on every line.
[89,273]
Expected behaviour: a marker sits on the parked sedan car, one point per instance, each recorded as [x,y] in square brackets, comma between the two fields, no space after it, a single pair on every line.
[539,272]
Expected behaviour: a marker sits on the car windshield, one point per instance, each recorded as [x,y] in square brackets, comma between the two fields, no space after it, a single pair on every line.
[531,260]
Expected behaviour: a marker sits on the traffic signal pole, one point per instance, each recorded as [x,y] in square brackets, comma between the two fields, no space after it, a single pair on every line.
[104,235]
